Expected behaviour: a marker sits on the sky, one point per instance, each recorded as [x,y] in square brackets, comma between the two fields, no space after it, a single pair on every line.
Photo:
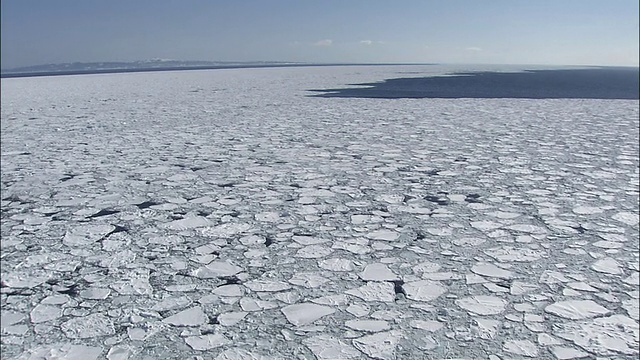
[553,32]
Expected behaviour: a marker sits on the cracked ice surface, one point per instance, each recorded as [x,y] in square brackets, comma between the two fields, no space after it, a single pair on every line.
[225,215]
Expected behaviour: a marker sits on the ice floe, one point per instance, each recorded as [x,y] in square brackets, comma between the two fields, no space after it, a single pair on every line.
[576,309]
[482,304]
[305,313]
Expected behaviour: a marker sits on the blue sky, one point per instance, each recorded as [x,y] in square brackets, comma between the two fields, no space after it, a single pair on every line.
[558,32]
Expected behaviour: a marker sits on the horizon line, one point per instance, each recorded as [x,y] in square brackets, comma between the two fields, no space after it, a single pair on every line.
[25,71]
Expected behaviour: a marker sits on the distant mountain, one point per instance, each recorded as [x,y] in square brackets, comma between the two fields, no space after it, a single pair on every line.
[132,66]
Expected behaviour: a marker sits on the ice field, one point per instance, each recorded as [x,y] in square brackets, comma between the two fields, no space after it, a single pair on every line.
[232,214]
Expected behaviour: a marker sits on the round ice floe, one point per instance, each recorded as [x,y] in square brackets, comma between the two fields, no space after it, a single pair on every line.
[482,304]
[576,309]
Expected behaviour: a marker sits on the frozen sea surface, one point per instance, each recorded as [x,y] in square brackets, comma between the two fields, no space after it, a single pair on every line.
[227,214]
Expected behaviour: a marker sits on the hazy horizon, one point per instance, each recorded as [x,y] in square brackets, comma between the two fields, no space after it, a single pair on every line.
[36,32]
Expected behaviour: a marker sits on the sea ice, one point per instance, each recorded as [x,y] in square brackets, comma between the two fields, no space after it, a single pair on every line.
[231,318]
[607,265]
[628,218]
[313,252]
[267,285]
[482,304]
[217,269]
[576,309]
[487,269]
[423,290]
[43,313]
[386,235]
[521,347]
[375,291]
[327,347]
[378,272]
[305,313]
[566,353]
[368,325]
[604,336]
[189,317]
[89,326]
[207,342]
[86,234]
[379,346]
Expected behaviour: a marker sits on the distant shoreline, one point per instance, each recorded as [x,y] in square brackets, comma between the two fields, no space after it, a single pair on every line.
[183,68]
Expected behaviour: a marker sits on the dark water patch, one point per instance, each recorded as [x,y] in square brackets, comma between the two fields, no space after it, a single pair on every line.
[103,212]
[146,204]
[230,280]
[437,199]
[473,198]
[268,240]
[592,83]
[67,177]
[397,287]
[117,229]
